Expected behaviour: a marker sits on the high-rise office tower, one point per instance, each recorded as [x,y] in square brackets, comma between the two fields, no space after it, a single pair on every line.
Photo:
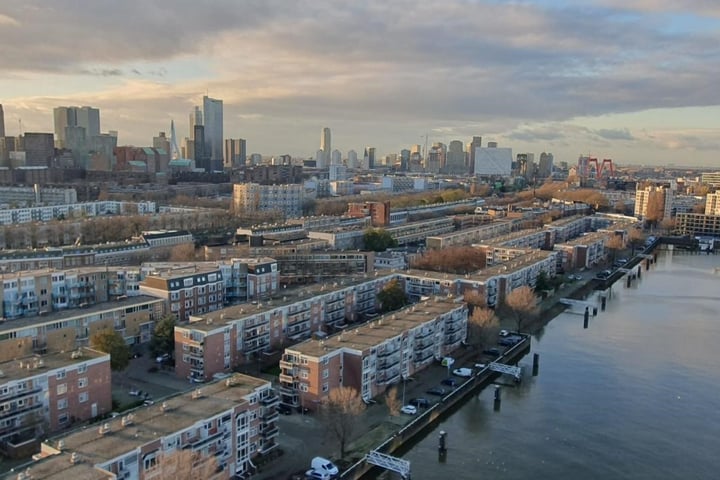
[474,145]
[455,158]
[89,119]
[404,159]
[213,116]
[63,117]
[352,159]
[196,118]
[336,157]
[39,149]
[2,122]
[235,152]
[325,146]
[369,158]
[201,149]
[546,165]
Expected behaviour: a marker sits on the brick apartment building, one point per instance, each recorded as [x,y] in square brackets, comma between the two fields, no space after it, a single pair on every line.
[232,421]
[375,356]
[187,290]
[43,394]
[215,342]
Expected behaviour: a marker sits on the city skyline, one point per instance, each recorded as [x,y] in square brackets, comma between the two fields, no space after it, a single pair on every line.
[627,80]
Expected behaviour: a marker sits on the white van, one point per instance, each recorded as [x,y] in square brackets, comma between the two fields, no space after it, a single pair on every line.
[320,464]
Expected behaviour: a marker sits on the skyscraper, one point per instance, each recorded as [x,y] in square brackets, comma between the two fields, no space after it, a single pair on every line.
[196,118]
[2,122]
[89,119]
[475,144]
[352,159]
[63,117]
[455,158]
[235,152]
[546,165]
[369,158]
[213,116]
[201,150]
[325,146]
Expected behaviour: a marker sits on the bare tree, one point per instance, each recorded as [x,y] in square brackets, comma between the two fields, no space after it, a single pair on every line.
[474,300]
[483,326]
[668,225]
[188,465]
[522,304]
[183,253]
[341,412]
[392,402]
[614,244]
[636,238]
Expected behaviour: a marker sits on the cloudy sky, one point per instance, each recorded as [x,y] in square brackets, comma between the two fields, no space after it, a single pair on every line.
[632,80]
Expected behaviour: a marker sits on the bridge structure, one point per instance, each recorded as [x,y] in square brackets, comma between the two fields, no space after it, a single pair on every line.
[582,304]
[506,369]
[388,462]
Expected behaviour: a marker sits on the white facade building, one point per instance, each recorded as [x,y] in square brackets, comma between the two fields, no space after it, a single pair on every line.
[493,161]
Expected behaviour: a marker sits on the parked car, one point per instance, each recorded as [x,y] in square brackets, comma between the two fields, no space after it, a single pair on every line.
[420,402]
[439,391]
[409,409]
[134,392]
[450,382]
[492,352]
[320,464]
[284,409]
[463,372]
[504,333]
[510,341]
[316,475]
[163,358]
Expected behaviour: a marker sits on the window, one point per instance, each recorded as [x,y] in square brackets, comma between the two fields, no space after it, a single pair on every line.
[83,397]
[326,373]
[326,387]
[82,382]
[62,404]
[62,389]
[60,375]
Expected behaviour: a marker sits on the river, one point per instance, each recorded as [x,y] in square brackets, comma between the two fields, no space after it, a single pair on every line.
[634,396]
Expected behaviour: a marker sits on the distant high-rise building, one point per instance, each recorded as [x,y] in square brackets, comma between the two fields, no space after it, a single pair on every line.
[213,116]
[7,145]
[369,158]
[325,146]
[85,117]
[352,159]
[196,118]
[89,119]
[2,122]
[201,149]
[492,145]
[404,159]
[493,161]
[235,152]
[654,201]
[76,140]
[417,148]
[525,165]
[39,149]
[545,166]
[455,158]
[336,157]
[476,143]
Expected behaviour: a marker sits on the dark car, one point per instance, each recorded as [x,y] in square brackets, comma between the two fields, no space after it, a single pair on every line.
[436,391]
[510,340]
[419,402]
[284,409]
[492,352]
[450,382]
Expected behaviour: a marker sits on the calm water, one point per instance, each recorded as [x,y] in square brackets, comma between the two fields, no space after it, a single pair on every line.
[636,395]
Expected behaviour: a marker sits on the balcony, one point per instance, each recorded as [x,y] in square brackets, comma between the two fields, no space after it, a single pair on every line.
[270,401]
[270,414]
[286,379]
[285,365]
[424,356]
[270,432]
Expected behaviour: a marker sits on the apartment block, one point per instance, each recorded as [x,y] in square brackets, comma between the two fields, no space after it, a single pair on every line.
[471,235]
[252,198]
[379,212]
[375,356]
[242,334]
[304,267]
[583,252]
[41,394]
[233,421]
[697,224]
[133,317]
[187,290]
[712,204]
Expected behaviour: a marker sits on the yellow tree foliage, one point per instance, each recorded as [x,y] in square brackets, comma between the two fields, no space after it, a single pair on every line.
[392,402]
[483,327]
[522,303]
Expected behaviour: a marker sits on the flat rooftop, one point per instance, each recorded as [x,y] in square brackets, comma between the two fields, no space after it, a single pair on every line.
[585,239]
[10,325]
[497,241]
[148,424]
[379,330]
[30,365]
[287,297]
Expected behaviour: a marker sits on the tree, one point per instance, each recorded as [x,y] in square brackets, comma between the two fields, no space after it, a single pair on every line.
[457,260]
[668,225]
[392,296]
[483,326]
[636,239]
[378,240]
[186,465]
[614,244]
[522,304]
[542,282]
[392,402]
[163,338]
[183,253]
[474,300]
[341,412]
[110,341]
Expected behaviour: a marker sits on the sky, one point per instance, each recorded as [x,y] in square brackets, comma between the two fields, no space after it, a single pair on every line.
[631,80]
